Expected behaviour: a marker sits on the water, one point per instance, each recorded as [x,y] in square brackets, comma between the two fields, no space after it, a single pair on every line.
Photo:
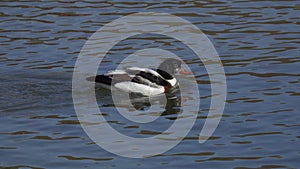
[258,43]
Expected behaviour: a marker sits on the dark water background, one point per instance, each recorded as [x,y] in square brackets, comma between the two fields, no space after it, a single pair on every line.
[258,43]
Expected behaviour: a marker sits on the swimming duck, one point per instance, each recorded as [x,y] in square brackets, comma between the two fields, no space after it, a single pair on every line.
[145,81]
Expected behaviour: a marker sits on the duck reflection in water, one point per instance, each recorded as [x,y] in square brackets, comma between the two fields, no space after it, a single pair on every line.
[165,104]
[171,105]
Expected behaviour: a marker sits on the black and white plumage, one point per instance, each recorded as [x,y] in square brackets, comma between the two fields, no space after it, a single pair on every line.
[145,81]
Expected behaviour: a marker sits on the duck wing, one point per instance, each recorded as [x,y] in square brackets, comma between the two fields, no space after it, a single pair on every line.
[113,77]
[139,75]
[147,76]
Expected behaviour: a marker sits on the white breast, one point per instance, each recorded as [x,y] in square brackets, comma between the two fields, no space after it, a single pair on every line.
[172,82]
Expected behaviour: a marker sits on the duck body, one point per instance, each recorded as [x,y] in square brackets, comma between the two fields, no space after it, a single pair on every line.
[144,81]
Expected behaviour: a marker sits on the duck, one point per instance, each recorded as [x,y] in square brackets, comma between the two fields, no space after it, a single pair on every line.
[144,81]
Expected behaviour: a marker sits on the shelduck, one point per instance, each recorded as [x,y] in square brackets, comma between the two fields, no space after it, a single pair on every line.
[144,81]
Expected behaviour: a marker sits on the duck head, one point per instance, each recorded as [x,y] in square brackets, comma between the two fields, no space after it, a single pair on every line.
[170,67]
